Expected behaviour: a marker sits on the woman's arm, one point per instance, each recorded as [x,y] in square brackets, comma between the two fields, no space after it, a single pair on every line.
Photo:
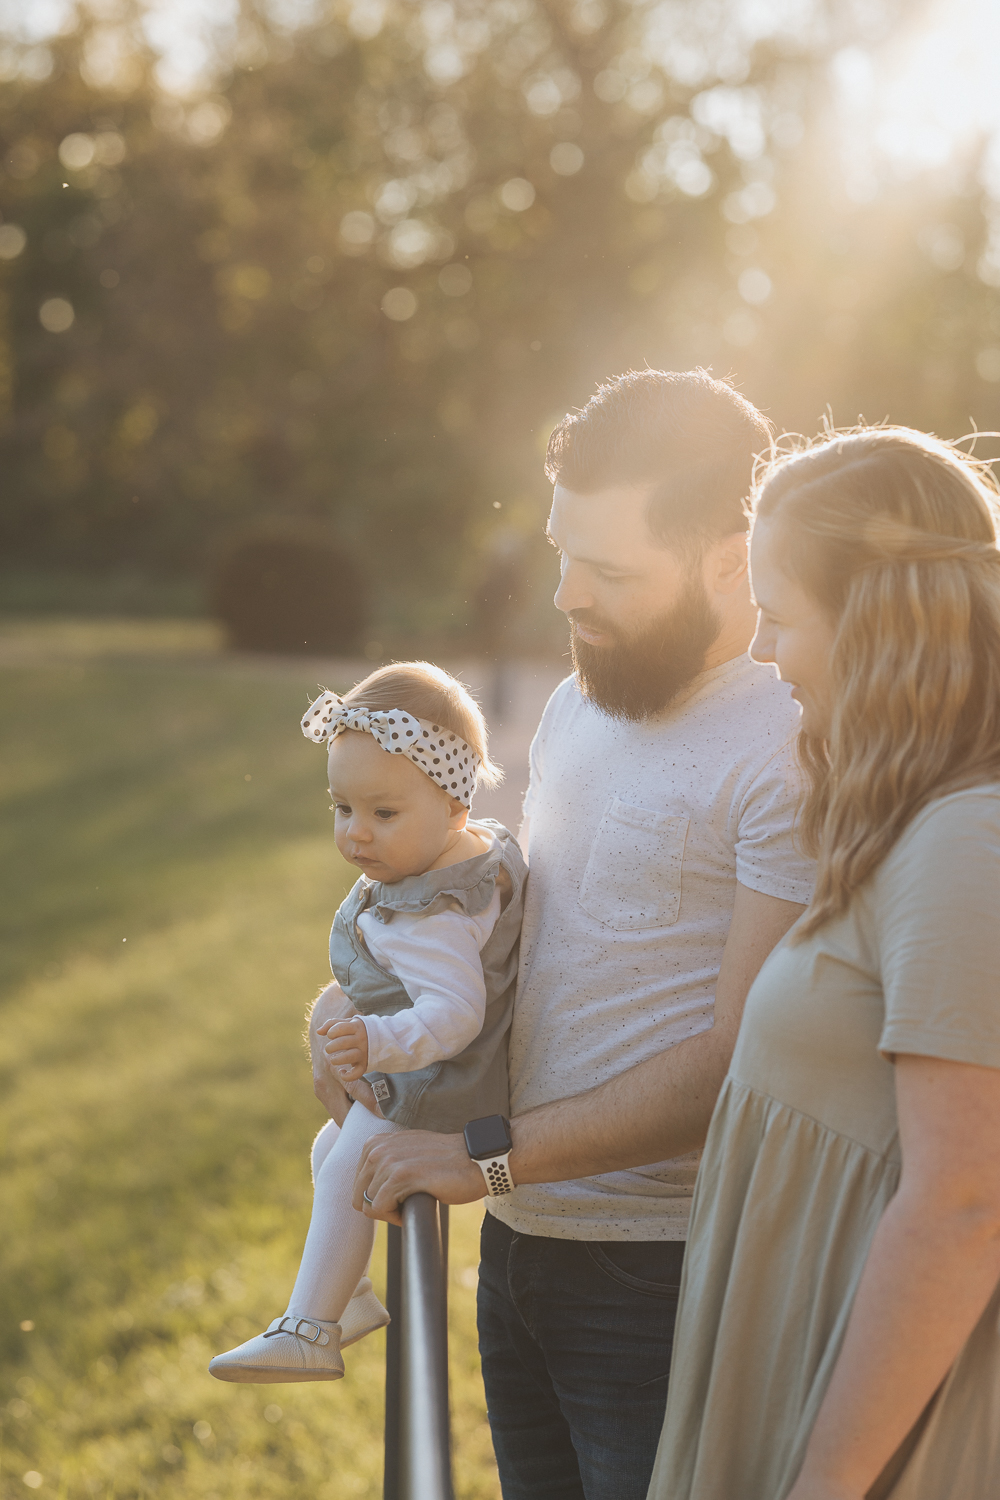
[932,1268]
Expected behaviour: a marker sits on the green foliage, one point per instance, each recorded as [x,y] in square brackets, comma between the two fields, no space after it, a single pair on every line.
[358,282]
[169,877]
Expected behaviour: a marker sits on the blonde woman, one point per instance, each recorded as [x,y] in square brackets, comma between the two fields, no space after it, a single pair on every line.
[838,1330]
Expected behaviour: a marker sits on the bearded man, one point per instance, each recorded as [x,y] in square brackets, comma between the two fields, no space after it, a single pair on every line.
[659,833]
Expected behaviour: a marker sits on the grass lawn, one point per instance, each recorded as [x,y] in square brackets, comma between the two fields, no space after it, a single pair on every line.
[169,877]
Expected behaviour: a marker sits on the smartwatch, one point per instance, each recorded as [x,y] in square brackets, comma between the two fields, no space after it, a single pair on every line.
[489,1144]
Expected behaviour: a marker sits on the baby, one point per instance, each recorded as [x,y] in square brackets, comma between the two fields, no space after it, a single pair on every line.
[425,948]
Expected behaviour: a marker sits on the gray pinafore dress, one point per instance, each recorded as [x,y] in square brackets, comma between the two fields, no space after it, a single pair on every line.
[447,1094]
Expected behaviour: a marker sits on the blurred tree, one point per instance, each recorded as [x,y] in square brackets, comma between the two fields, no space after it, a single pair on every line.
[357,281]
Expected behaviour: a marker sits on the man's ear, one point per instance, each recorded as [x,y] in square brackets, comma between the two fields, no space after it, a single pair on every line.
[727,563]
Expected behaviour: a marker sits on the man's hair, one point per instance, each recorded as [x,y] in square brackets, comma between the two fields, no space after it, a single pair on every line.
[428,692]
[693,438]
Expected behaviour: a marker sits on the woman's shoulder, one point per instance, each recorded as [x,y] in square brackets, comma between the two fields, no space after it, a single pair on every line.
[956,815]
[952,843]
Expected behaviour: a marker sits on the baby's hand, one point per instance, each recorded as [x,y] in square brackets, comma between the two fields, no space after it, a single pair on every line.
[346,1047]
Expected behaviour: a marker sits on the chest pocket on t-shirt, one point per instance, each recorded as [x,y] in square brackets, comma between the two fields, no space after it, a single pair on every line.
[633,876]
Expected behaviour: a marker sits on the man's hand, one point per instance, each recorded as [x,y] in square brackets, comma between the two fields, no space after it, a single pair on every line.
[346,1047]
[393,1167]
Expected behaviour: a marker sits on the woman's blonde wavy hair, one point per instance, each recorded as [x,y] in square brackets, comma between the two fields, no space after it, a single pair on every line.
[895,534]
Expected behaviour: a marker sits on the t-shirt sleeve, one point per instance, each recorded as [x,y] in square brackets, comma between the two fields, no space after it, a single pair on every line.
[937,913]
[534,777]
[767,857]
[536,754]
[436,959]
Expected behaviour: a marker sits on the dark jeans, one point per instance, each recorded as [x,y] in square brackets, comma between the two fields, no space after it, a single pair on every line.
[575,1338]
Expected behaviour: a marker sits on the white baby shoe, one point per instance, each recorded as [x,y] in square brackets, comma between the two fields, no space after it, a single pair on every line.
[290,1349]
[363,1314]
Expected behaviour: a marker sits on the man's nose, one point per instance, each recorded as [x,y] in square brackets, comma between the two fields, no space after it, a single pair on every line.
[572,592]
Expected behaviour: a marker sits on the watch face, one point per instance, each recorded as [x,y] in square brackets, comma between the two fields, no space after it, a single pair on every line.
[489,1136]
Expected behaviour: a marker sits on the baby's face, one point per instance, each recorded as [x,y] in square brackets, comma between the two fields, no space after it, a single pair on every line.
[391,820]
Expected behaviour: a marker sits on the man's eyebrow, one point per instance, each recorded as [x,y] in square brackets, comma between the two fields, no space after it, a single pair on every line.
[606,565]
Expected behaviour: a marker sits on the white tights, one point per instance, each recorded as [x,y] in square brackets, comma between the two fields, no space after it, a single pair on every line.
[339,1243]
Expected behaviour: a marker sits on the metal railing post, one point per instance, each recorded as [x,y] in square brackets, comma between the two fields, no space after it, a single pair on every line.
[393,1363]
[424,1425]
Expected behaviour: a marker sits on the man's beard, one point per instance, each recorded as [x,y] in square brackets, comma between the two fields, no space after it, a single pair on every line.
[637,675]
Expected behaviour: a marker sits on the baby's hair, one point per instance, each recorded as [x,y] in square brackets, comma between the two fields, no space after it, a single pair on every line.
[427,692]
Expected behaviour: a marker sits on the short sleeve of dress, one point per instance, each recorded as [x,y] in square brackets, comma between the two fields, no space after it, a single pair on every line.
[937,915]
[767,858]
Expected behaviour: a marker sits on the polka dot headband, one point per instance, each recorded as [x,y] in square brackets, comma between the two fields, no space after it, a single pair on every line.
[442,755]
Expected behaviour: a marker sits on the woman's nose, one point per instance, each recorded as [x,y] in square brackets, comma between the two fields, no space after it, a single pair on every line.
[762,645]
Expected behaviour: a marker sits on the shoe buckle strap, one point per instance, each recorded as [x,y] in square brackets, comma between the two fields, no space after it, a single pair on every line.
[296,1326]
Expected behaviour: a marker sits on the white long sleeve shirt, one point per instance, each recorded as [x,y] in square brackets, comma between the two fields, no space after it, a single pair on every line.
[436,959]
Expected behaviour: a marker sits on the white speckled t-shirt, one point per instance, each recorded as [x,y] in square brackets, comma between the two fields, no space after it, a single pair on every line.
[638,835]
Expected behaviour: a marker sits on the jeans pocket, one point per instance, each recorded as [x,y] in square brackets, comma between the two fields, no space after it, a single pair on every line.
[633,877]
[622,1262]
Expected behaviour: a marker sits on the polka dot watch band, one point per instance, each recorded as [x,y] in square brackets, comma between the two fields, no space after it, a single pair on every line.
[497,1174]
[489,1144]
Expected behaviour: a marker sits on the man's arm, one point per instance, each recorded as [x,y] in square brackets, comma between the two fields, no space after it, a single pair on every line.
[657,1110]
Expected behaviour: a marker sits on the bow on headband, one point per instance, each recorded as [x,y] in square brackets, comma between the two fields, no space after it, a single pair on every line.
[442,755]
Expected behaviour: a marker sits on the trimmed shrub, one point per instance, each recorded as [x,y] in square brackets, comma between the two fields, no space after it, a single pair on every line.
[289,587]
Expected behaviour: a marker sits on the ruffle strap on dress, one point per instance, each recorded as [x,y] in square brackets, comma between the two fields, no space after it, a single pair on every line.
[469,884]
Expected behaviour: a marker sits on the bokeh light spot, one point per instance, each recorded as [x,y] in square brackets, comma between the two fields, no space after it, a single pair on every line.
[56,315]
[754,285]
[988,365]
[566,158]
[517,194]
[76,152]
[455,280]
[399,303]
[12,241]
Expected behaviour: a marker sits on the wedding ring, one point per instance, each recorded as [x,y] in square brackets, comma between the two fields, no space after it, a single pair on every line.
[366,1198]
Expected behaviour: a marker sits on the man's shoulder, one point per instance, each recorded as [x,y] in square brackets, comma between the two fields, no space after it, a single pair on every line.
[754,693]
[568,692]
[565,701]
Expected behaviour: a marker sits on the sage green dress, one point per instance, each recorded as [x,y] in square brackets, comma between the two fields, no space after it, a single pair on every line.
[802,1158]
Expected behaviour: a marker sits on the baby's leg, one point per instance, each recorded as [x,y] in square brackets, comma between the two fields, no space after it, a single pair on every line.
[340,1239]
[364,1313]
[323,1145]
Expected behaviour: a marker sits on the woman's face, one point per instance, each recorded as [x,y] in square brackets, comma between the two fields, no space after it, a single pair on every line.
[794,632]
